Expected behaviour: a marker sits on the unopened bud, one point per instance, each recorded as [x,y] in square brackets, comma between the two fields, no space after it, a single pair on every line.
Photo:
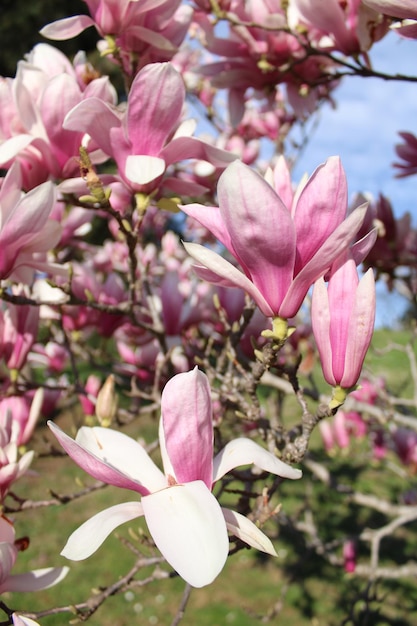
[106,405]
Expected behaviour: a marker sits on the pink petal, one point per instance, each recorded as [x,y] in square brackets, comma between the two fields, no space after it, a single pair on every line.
[188,527]
[320,319]
[244,451]
[89,536]
[360,329]
[244,529]
[192,148]
[320,208]
[154,107]
[95,117]
[93,465]
[66,28]
[342,287]
[211,218]
[123,454]
[36,580]
[226,271]
[188,426]
[261,229]
[335,245]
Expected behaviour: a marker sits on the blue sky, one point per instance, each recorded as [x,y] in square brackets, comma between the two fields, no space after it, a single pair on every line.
[363,130]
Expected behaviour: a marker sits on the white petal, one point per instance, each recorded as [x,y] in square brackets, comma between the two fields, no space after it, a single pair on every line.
[123,453]
[247,531]
[89,537]
[188,526]
[22,620]
[244,451]
[35,580]
[142,168]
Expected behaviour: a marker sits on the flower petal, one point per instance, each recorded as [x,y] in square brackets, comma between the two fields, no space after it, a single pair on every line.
[187,420]
[187,525]
[67,28]
[261,230]
[226,271]
[94,464]
[247,531]
[89,536]
[142,169]
[36,580]
[244,451]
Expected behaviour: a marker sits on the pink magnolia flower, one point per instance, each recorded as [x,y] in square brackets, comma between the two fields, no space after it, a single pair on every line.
[184,518]
[30,581]
[45,89]
[405,10]
[26,233]
[407,152]
[394,8]
[343,320]
[350,27]
[18,330]
[24,412]
[147,138]
[152,29]
[282,241]
[11,466]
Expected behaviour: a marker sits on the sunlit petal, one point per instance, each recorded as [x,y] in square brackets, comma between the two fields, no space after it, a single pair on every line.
[187,525]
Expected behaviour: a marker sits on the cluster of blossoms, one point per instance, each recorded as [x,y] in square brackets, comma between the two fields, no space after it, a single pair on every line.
[98,192]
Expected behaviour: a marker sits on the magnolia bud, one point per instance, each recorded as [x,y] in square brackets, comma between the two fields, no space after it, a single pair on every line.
[106,405]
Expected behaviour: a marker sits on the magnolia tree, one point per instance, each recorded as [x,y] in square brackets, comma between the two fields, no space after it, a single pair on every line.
[152,274]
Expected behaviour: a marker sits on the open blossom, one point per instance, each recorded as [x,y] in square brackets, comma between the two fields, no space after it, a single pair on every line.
[283,241]
[152,29]
[45,89]
[343,318]
[147,137]
[29,581]
[184,518]
[350,27]
[26,233]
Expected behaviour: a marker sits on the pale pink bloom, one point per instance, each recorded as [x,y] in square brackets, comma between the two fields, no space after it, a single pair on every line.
[350,27]
[88,401]
[26,232]
[11,466]
[342,318]
[395,8]
[18,330]
[35,580]
[152,29]
[147,137]
[282,241]
[407,151]
[45,88]
[405,10]
[184,518]
[24,411]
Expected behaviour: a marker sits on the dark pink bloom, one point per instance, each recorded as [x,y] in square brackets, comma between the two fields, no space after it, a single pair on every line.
[407,152]
[282,241]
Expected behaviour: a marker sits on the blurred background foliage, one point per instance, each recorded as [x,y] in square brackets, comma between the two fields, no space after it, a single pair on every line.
[20,24]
